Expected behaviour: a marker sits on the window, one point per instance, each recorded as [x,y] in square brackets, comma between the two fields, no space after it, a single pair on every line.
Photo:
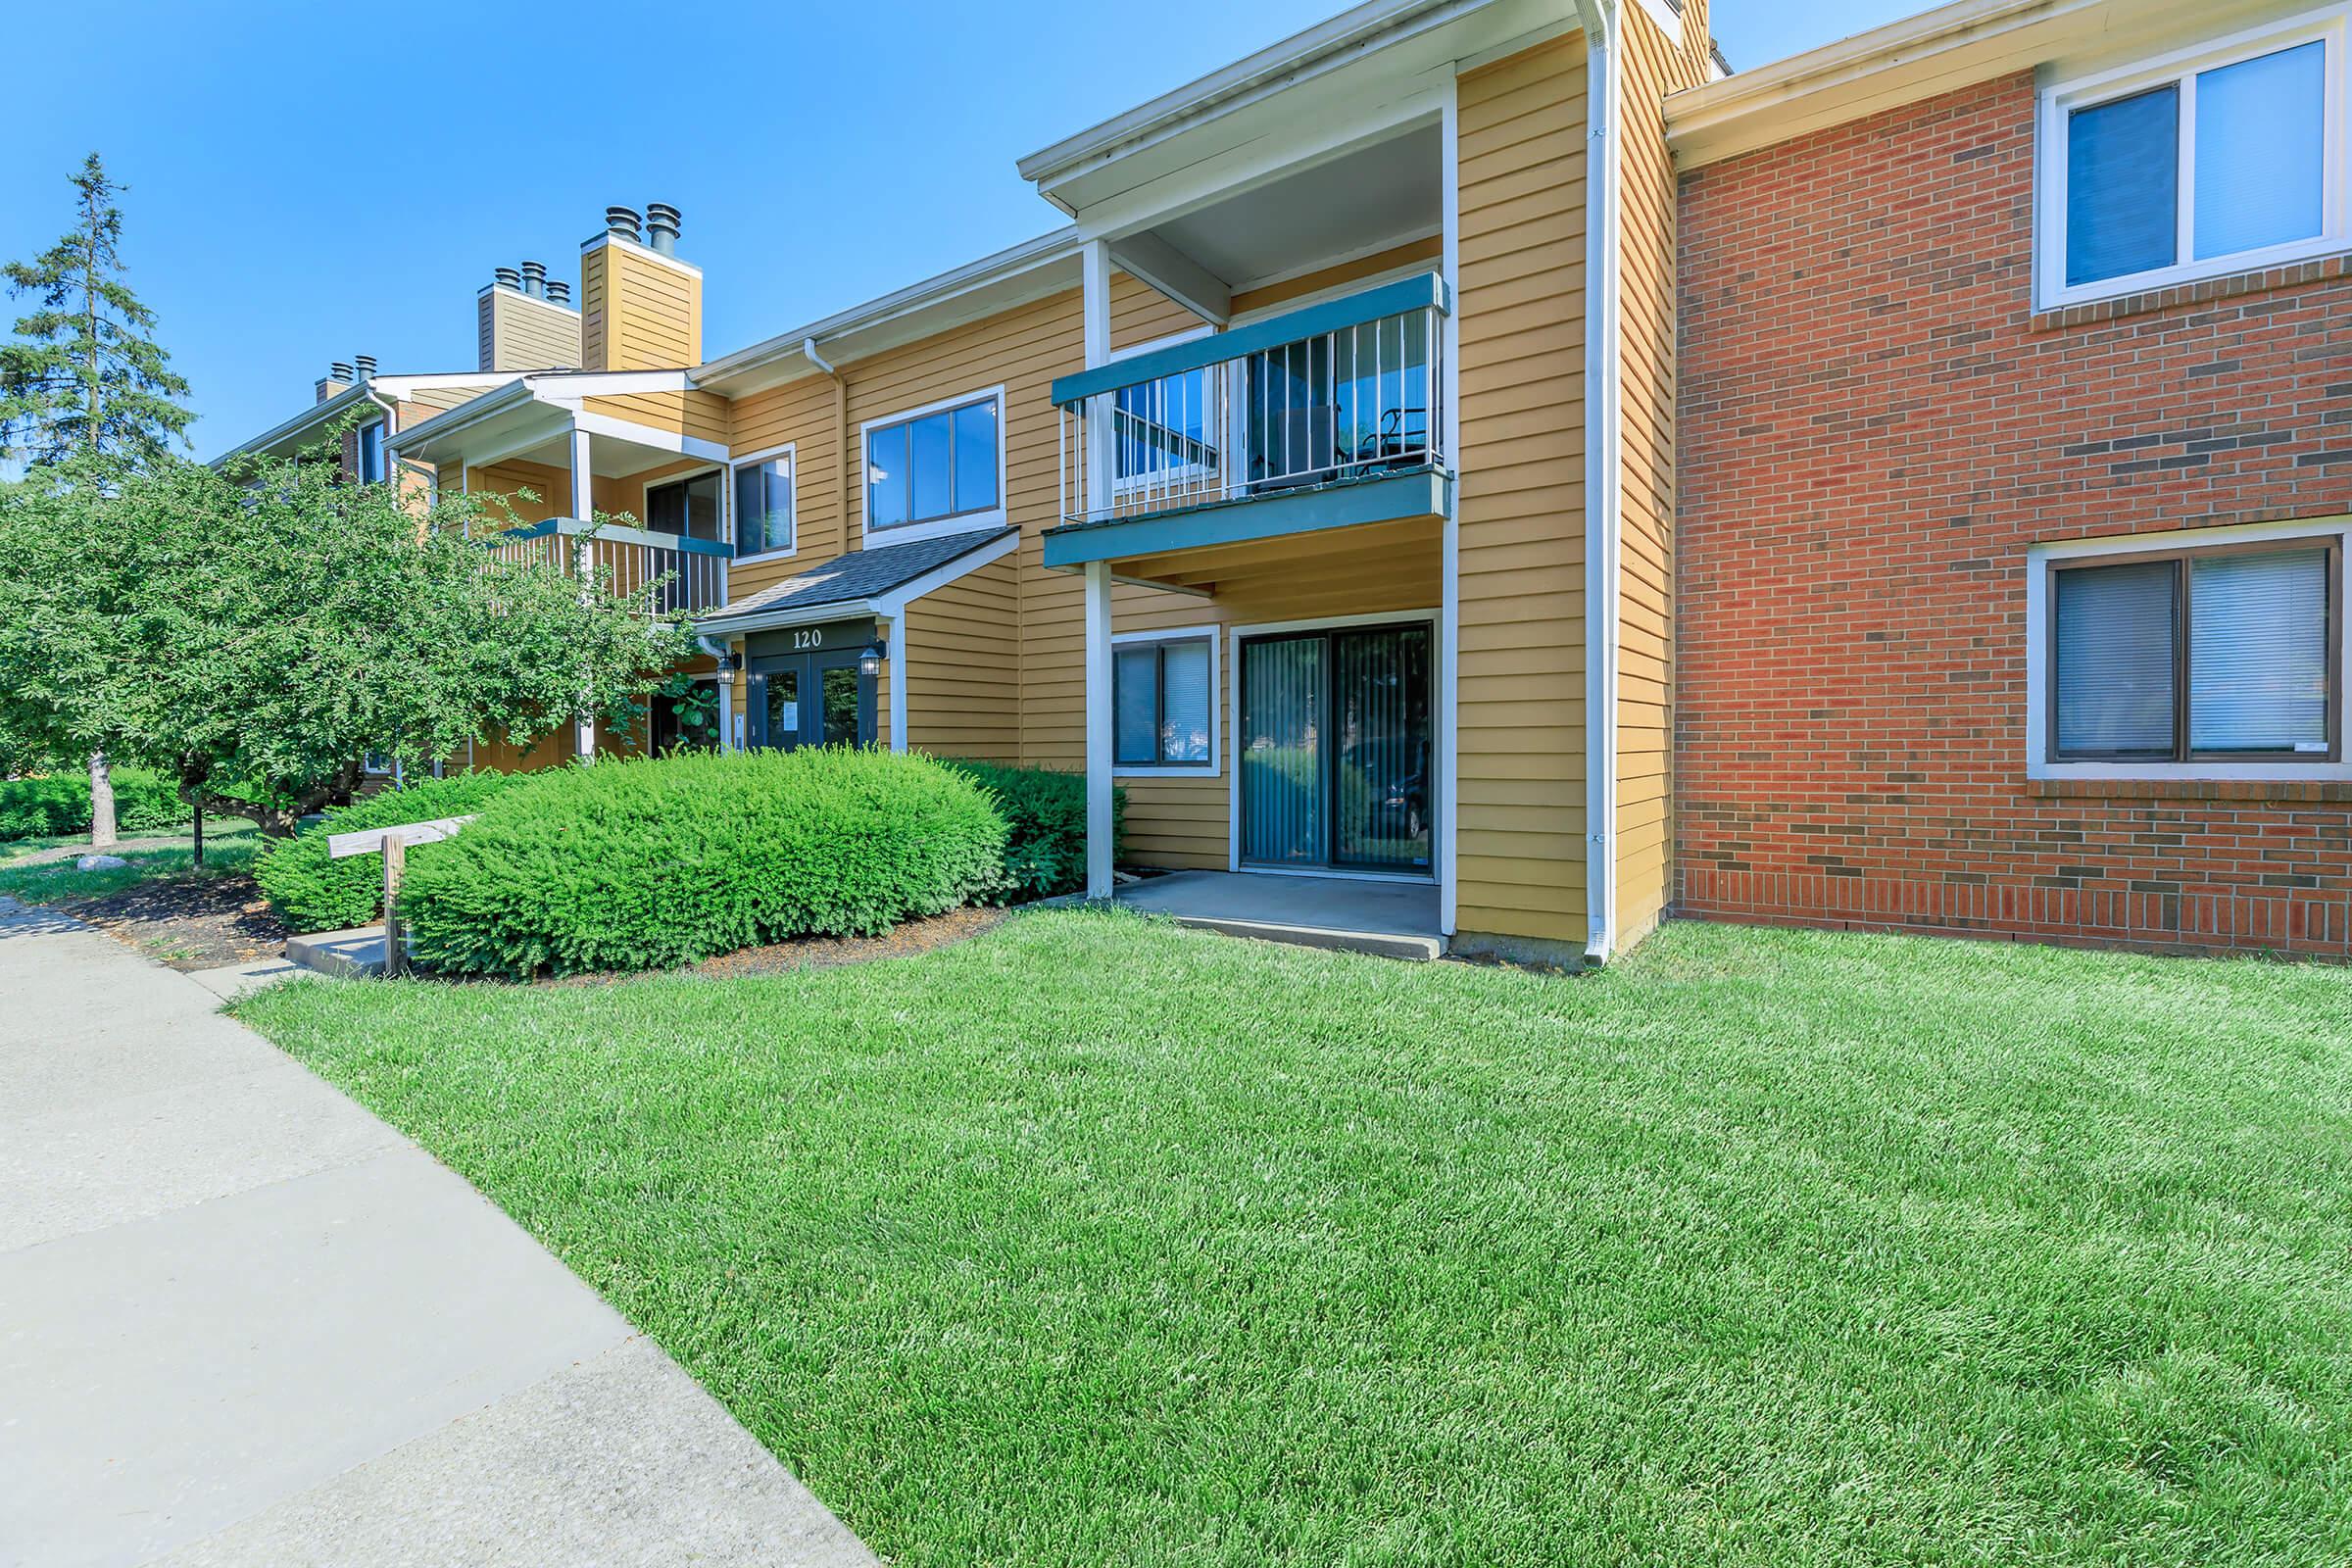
[939,465]
[2217,655]
[1162,429]
[371,453]
[2220,162]
[763,505]
[1163,697]
[688,507]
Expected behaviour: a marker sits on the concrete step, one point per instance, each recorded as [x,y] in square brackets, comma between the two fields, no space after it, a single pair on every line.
[1379,943]
[356,953]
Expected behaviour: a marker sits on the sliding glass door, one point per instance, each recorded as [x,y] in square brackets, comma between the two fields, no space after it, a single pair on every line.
[1337,750]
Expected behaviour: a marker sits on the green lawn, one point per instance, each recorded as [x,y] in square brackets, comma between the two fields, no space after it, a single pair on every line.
[1097,1242]
[229,847]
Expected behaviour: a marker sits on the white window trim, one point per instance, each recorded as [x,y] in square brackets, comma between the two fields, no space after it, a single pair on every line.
[647,487]
[1214,767]
[2058,99]
[2040,764]
[790,453]
[938,527]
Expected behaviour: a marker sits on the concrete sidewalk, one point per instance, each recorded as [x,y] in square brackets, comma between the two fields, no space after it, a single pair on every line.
[243,1321]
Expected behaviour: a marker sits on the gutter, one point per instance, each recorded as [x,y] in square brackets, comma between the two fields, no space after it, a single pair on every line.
[1603,473]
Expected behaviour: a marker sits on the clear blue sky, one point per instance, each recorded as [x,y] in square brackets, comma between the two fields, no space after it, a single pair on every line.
[313,182]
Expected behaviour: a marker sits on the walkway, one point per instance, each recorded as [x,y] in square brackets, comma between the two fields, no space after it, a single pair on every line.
[243,1321]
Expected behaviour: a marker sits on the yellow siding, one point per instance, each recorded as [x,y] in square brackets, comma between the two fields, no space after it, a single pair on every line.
[534,491]
[637,313]
[1520,694]
[799,414]
[1653,66]
[513,333]
[962,653]
[700,414]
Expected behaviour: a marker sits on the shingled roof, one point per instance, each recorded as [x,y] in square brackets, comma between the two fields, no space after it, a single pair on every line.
[854,579]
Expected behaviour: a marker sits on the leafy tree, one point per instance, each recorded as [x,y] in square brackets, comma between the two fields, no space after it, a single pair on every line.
[86,379]
[257,633]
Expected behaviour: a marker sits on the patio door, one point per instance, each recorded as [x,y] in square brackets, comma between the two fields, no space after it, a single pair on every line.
[1335,749]
[809,700]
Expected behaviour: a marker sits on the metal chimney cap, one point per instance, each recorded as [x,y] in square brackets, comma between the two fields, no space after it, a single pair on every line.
[508,278]
[622,220]
[365,364]
[559,292]
[662,227]
[535,279]
[338,371]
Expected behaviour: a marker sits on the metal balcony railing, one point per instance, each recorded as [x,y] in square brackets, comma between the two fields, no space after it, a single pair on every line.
[638,560]
[1347,390]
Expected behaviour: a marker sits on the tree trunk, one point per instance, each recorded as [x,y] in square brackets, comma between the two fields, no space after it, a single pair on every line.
[199,859]
[102,802]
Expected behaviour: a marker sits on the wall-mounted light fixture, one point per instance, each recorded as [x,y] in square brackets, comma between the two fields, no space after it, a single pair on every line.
[869,662]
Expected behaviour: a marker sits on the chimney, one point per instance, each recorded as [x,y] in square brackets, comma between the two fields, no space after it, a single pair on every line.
[559,293]
[535,279]
[508,278]
[508,337]
[662,227]
[641,308]
[364,364]
[337,379]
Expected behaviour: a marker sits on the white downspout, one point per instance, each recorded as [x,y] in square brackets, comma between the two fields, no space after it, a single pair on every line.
[1603,477]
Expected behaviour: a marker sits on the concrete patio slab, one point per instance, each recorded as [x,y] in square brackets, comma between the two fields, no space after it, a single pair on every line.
[241,1320]
[352,953]
[1393,919]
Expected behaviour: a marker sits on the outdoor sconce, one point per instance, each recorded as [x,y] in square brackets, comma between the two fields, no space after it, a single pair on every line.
[869,662]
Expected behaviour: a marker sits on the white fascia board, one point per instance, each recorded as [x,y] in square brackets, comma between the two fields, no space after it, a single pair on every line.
[318,413]
[644,436]
[932,293]
[607,383]
[451,420]
[789,615]
[1298,58]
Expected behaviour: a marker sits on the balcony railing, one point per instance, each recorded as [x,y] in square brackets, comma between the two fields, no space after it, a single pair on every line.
[695,569]
[1344,391]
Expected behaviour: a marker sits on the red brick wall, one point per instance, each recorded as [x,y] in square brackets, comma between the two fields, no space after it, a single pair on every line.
[1875,427]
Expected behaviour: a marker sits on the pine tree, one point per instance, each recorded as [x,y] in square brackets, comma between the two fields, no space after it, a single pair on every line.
[85,377]
[85,374]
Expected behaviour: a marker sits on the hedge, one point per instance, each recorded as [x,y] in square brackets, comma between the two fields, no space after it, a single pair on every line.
[56,803]
[1045,813]
[652,863]
[311,893]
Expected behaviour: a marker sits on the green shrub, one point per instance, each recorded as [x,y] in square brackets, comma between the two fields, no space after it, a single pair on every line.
[60,802]
[1045,815]
[311,893]
[646,863]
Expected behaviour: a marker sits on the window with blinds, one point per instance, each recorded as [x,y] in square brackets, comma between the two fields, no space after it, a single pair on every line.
[1163,695]
[2220,655]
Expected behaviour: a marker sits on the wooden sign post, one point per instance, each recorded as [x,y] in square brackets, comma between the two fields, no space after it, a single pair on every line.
[393,843]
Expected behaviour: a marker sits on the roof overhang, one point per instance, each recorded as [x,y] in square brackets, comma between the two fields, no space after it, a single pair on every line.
[531,410]
[305,429]
[1345,60]
[1015,275]
[1922,56]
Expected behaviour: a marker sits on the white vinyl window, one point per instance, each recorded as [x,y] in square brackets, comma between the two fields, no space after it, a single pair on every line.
[938,470]
[2199,658]
[2224,158]
[763,504]
[1163,700]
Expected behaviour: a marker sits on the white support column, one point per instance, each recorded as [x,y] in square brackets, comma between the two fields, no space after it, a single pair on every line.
[583,507]
[1094,272]
[1449,568]
[1099,825]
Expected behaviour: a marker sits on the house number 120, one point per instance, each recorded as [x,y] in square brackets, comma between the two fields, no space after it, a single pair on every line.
[807,639]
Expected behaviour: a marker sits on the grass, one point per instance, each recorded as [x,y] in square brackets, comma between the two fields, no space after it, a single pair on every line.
[229,847]
[1094,1241]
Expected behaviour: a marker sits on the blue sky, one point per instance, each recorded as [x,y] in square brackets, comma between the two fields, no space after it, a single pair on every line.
[310,181]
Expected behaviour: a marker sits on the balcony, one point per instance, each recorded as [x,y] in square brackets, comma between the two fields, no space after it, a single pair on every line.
[638,560]
[1321,418]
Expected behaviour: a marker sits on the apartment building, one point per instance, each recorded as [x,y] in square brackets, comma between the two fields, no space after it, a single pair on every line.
[2016,460]
[1487,449]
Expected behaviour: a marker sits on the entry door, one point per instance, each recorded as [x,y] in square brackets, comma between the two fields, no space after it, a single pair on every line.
[809,700]
[1337,750]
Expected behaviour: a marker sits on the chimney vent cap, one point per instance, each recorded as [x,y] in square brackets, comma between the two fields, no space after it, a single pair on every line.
[559,292]
[535,279]
[338,371]
[364,364]
[622,220]
[508,278]
[662,227]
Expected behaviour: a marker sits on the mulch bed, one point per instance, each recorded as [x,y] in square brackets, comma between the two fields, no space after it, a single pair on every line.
[187,922]
[817,953]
